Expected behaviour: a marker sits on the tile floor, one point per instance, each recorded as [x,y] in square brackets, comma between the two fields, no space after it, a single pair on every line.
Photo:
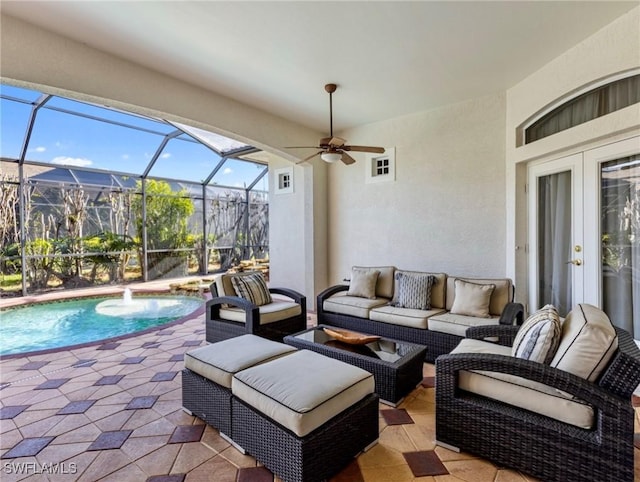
[112,412]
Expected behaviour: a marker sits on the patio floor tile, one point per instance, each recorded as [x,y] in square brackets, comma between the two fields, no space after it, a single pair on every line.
[109,346]
[12,411]
[164,376]
[141,402]
[28,447]
[34,365]
[132,360]
[110,440]
[396,416]
[78,406]
[186,433]
[426,463]
[51,384]
[109,380]
[254,474]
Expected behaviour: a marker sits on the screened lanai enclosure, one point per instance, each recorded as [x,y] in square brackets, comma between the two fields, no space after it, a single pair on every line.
[94,195]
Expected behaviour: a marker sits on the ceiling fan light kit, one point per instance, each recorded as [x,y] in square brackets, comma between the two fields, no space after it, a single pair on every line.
[331,157]
[333,149]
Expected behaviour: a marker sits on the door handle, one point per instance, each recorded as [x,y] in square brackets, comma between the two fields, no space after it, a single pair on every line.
[576,262]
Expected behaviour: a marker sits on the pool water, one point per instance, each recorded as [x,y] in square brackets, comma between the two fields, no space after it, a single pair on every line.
[52,325]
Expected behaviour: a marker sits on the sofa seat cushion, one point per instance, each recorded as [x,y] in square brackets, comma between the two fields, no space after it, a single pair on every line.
[277,310]
[352,305]
[520,392]
[403,316]
[458,324]
[218,362]
[587,344]
[303,390]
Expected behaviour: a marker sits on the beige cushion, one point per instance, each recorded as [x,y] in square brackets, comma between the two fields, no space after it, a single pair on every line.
[363,283]
[220,361]
[351,305]
[384,286]
[275,311]
[472,299]
[224,285]
[538,337]
[588,342]
[403,316]
[502,294]
[457,324]
[252,287]
[520,392]
[303,390]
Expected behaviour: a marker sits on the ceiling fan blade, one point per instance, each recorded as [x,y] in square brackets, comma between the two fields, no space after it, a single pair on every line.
[310,157]
[347,159]
[301,147]
[337,142]
[377,150]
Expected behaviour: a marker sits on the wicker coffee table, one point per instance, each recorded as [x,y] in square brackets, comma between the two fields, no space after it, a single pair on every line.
[396,365]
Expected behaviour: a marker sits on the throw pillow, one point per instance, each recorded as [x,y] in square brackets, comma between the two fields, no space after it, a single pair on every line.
[413,290]
[472,299]
[252,287]
[539,336]
[363,283]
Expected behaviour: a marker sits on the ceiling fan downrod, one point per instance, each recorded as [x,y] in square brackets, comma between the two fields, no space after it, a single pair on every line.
[330,88]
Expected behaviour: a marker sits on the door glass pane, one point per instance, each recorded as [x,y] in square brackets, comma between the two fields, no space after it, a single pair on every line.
[620,231]
[554,241]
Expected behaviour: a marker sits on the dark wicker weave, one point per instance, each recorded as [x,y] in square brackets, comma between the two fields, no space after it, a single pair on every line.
[533,443]
[437,343]
[219,329]
[393,380]
[207,400]
[314,457]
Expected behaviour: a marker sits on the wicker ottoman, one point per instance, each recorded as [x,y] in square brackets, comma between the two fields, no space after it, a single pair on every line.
[304,416]
[206,378]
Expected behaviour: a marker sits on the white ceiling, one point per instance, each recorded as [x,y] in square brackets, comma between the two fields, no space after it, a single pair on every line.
[388,58]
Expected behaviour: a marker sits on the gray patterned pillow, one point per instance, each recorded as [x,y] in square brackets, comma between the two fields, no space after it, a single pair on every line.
[413,290]
[252,287]
[539,336]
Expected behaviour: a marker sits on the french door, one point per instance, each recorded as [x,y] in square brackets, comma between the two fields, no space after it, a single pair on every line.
[584,232]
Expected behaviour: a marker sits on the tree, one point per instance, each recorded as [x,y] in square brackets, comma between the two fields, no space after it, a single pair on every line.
[166,223]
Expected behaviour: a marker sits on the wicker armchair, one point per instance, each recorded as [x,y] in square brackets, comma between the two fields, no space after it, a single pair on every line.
[228,315]
[534,443]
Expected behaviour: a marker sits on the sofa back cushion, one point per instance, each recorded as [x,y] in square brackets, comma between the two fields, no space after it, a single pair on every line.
[588,343]
[384,285]
[502,293]
[224,285]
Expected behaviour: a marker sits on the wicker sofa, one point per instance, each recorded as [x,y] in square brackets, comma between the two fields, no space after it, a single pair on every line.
[439,327]
[570,419]
[229,315]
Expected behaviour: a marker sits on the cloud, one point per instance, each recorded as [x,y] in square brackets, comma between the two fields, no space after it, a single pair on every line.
[125,156]
[71,161]
[39,149]
[227,170]
[166,155]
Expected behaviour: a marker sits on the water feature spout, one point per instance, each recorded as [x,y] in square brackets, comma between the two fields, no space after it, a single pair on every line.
[127,297]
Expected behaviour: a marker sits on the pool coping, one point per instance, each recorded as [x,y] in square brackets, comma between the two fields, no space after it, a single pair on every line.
[102,341]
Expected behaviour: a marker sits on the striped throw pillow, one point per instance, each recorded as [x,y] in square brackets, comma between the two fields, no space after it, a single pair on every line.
[413,290]
[252,287]
[539,336]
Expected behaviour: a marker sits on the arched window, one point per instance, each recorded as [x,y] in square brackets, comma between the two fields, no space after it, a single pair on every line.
[597,102]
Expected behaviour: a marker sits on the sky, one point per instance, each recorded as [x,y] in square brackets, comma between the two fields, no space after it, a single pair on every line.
[70,140]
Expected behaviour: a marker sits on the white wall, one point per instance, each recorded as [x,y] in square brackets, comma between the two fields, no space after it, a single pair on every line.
[613,49]
[445,211]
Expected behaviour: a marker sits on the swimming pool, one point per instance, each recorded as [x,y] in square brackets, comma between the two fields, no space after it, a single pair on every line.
[45,326]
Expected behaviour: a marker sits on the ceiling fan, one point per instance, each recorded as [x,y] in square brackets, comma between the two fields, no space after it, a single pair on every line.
[333,149]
